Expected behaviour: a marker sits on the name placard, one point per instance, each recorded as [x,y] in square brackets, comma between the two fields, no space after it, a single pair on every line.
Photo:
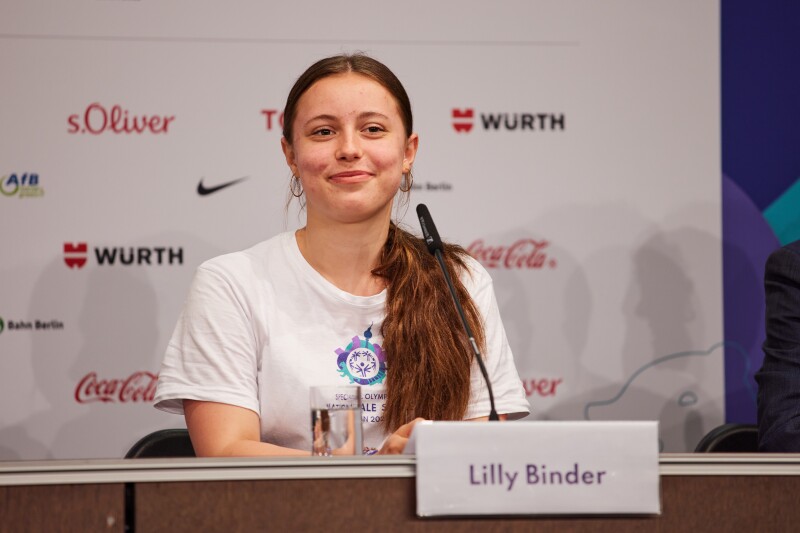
[526,468]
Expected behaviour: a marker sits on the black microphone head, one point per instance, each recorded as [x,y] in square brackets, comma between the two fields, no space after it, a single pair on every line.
[429,232]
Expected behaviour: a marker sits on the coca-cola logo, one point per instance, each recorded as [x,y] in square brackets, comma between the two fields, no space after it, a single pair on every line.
[138,387]
[97,119]
[523,254]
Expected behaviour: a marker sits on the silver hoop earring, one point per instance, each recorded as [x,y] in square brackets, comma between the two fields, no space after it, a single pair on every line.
[408,179]
[295,187]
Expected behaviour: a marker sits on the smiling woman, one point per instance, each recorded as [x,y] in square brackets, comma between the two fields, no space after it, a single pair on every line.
[349,290]
[349,150]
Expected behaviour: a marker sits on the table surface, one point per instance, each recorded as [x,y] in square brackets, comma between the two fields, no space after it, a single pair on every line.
[699,492]
[232,469]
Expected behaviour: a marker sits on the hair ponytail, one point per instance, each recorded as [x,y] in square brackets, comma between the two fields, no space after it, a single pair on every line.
[429,358]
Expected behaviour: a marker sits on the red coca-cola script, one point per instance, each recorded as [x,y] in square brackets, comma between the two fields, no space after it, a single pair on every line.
[138,387]
[524,253]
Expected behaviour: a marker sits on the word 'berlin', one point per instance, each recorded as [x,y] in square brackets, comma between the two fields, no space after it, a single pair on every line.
[36,324]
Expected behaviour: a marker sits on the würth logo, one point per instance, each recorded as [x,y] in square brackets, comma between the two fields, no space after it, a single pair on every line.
[76,255]
[464,121]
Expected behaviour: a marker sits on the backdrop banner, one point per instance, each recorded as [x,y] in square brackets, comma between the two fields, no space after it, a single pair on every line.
[572,147]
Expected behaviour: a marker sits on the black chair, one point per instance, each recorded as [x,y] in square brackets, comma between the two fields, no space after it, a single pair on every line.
[163,443]
[730,438]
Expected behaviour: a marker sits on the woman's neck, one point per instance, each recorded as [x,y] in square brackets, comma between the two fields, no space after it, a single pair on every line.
[345,254]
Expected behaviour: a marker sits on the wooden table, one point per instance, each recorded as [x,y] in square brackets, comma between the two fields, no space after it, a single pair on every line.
[699,492]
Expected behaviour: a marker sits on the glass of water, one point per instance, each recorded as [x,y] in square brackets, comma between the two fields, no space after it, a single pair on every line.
[336,420]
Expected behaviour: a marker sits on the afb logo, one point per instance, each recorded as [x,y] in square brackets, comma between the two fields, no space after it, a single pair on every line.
[76,255]
[464,121]
[22,185]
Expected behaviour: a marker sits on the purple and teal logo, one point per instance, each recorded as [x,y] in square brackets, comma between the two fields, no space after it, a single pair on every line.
[362,361]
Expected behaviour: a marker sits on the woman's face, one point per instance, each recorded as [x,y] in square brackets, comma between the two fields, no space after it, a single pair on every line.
[349,150]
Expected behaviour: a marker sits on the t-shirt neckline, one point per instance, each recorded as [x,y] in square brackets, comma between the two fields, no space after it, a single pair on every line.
[296,256]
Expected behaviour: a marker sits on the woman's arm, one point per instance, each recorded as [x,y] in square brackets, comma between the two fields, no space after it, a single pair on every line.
[223,430]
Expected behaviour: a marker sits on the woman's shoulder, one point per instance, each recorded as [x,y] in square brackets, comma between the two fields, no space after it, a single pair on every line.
[250,259]
[474,275]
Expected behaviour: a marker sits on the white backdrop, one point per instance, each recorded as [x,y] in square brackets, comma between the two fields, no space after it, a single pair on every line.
[587,179]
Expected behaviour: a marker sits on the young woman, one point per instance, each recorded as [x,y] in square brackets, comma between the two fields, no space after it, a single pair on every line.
[351,298]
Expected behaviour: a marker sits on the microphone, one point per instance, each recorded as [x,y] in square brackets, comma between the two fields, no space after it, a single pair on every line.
[435,247]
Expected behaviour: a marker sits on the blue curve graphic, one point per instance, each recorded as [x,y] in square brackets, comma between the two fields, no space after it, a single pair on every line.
[731,344]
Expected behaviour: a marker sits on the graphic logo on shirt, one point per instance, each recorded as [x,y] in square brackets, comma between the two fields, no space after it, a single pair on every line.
[362,361]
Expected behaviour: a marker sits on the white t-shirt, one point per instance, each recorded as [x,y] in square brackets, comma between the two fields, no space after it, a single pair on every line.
[261,326]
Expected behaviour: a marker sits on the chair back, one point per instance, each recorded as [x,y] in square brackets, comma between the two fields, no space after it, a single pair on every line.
[730,438]
[163,443]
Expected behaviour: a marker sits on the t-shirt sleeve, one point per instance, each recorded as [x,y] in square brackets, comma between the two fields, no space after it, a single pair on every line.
[509,395]
[212,355]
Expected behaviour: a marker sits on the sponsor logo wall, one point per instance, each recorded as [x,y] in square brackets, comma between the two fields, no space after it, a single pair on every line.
[596,213]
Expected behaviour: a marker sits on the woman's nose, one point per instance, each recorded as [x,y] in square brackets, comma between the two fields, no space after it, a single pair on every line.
[349,147]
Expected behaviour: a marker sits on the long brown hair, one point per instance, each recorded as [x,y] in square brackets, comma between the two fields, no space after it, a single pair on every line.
[428,356]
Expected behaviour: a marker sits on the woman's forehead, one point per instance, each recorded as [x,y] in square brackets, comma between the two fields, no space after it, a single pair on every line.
[346,91]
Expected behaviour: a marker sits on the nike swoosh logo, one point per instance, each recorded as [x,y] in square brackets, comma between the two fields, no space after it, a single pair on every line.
[202,190]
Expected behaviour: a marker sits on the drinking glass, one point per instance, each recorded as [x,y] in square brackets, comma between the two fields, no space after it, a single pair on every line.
[336,420]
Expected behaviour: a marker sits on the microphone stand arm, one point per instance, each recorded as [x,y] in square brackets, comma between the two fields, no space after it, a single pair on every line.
[476,351]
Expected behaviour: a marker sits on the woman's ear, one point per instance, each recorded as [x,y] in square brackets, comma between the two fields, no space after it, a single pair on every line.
[288,153]
[410,152]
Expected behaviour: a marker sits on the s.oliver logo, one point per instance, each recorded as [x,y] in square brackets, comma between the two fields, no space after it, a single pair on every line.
[138,387]
[464,120]
[97,119]
[522,254]
[541,386]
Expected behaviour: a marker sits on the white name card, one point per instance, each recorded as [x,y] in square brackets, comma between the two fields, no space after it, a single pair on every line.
[527,468]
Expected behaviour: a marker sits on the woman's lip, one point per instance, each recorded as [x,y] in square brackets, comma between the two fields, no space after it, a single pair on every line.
[351,176]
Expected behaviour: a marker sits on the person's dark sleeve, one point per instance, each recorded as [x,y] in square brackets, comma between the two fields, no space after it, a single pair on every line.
[779,377]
